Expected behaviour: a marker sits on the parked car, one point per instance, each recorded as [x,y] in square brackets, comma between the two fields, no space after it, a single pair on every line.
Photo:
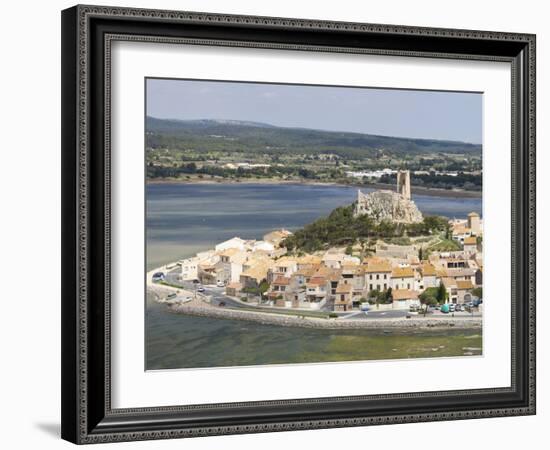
[222,304]
[458,308]
[220,283]
[452,307]
[158,276]
[200,288]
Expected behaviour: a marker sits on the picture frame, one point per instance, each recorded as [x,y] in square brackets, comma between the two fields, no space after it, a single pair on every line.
[87,35]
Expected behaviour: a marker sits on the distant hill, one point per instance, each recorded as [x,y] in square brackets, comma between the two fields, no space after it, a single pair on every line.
[245,136]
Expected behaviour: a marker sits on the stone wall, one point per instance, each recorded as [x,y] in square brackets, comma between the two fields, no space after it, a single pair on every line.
[311,322]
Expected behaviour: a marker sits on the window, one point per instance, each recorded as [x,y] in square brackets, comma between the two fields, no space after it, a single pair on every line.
[377,276]
[385,286]
[408,285]
[370,287]
[385,276]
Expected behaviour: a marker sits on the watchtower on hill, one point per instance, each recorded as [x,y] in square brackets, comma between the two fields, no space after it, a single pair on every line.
[404,183]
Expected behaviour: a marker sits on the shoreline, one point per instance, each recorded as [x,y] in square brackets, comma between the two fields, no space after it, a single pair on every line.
[418,190]
[394,324]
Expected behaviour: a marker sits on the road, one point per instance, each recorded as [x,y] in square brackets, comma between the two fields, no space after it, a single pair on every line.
[216,295]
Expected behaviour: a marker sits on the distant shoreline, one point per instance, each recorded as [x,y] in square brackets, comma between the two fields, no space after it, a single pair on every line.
[418,190]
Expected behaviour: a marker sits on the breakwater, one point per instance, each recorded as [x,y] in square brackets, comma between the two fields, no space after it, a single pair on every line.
[414,323]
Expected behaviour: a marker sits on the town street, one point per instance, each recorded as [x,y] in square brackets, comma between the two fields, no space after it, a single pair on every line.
[217,297]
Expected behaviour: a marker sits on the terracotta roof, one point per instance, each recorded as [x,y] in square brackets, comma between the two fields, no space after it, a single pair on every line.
[470,241]
[258,272]
[229,252]
[284,281]
[428,270]
[323,271]
[317,281]
[285,262]
[335,274]
[309,259]
[373,267]
[465,272]
[464,284]
[306,271]
[441,273]
[449,282]
[343,288]
[404,294]
[402,272]
[460,228]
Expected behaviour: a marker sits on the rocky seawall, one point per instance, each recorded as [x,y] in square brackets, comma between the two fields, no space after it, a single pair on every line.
[311,322]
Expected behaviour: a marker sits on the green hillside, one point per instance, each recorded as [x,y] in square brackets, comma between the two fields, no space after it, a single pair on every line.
[245,137]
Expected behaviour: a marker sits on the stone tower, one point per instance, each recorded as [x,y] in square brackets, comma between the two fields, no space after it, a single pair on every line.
[404,183]
[473,223]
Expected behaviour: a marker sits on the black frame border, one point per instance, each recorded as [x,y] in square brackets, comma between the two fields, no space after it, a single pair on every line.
[87,33]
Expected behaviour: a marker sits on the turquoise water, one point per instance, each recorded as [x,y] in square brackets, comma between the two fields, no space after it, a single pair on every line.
[185,218]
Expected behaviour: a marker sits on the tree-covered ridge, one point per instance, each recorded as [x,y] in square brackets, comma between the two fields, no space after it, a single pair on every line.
[341,228]
[242,137]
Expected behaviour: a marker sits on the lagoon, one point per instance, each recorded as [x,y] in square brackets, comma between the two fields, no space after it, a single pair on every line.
[183,219]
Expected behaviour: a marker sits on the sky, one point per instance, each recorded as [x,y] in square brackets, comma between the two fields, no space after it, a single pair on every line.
[453,116]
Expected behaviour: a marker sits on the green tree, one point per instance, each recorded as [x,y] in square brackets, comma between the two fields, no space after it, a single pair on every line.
[478,292]
[442,293]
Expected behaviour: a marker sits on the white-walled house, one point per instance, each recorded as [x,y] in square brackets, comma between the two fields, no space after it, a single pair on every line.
[403,278]
[427,277]
[405,298]
[190,268]
[235,242]
[377,275]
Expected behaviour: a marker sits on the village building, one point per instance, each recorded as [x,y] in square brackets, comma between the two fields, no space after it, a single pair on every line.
[474,223]
[189,268]
[317,291]
[377,275]
[283,267]
[295,294]
[230,265]
[343,299]
[464,291]
[264,246]
[233,289]
[276,237]
[451,288]
[403,278]
[308,261]
[235,242]
[461,274]
[462,229]
[404,298]
[470,245]
[428,277]
[277,291]
[254,273]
